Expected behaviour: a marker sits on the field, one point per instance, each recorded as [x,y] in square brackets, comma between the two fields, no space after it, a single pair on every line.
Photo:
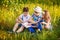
[8,14]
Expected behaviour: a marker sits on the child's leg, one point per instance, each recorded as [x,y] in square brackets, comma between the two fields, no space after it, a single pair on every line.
[31,29]
[15,27]
[20,29]
[40,25]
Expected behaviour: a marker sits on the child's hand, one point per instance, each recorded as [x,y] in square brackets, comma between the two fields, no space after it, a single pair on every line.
[43,22]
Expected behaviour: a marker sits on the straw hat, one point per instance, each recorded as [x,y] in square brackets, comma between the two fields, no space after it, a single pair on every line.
[38,9]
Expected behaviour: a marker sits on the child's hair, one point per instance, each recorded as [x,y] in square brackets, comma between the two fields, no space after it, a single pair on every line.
[47,15]
[25,9]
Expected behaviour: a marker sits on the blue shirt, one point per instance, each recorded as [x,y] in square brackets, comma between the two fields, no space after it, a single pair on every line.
[35,18]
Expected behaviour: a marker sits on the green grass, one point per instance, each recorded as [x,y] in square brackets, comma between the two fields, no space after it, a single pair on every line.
[45,35]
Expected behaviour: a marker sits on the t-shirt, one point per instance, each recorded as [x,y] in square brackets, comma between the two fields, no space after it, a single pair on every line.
[25,18]
[35,18]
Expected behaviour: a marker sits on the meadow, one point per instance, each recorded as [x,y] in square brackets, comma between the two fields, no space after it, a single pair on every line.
[8,14]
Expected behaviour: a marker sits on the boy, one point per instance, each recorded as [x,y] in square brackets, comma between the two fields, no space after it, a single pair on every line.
[37,17]
[22,20]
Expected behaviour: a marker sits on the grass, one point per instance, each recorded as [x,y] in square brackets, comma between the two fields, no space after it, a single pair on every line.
[45,35]
[9,14]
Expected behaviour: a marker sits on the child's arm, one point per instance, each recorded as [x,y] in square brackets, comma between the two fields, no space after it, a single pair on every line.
[44,23]
[39,19]
[31,21]
[19,20]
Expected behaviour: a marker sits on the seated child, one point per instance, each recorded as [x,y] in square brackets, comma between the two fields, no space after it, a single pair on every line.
[22,20]
[47,20]
[37,18]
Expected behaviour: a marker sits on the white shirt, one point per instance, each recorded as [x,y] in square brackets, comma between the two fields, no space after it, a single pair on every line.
[25,18]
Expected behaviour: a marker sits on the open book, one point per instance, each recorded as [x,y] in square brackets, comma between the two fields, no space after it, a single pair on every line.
[25,24]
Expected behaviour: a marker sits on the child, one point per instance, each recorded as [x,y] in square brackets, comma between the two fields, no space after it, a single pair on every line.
[22,20]
[47,20]
[37,17]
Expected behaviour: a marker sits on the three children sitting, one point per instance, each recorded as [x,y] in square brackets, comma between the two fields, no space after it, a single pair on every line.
[31,22]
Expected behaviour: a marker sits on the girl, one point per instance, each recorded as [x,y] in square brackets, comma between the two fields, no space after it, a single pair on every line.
[47,20]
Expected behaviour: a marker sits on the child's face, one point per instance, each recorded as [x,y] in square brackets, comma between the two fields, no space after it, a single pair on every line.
[36,13]
[25,13]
